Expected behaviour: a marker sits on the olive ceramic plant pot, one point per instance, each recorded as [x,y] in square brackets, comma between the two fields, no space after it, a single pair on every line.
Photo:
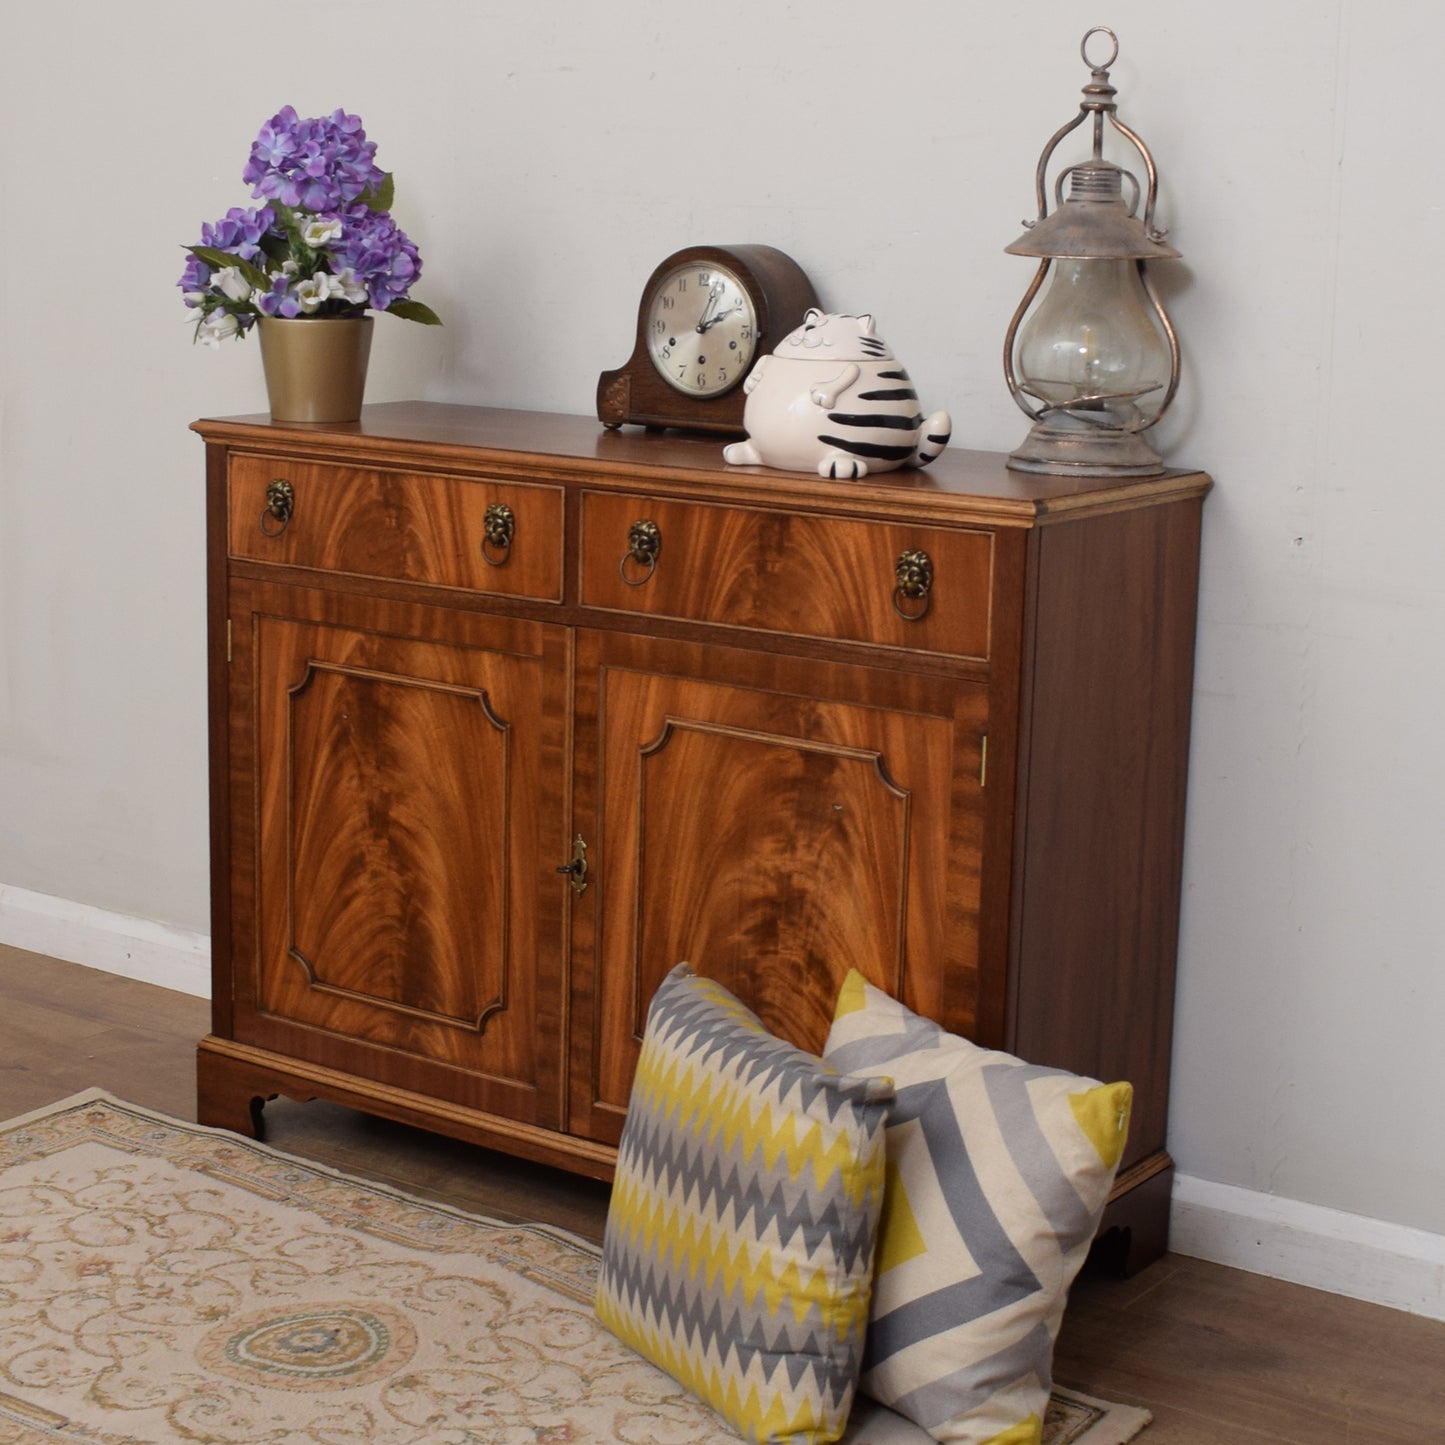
[315,366]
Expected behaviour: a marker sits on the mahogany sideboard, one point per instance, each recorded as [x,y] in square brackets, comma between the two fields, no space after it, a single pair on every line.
[511,713]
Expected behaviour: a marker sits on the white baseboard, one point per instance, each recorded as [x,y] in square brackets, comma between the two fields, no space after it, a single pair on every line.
[1348,1254]
[111,942]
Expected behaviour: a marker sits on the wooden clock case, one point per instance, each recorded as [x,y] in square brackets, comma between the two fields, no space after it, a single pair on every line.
[635,393]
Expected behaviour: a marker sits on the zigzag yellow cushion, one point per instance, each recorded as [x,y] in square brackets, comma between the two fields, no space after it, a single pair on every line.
[998,1172]
[739,1247]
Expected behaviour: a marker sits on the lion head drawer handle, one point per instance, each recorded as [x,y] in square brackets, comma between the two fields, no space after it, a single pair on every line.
[644,542]
[280,503]
[498,526]
[913,584]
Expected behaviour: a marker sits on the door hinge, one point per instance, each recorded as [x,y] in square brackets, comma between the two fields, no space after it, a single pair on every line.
[983,761]
[228,639]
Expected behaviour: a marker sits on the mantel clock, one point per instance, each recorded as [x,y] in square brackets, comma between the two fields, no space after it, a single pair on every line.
[705,316]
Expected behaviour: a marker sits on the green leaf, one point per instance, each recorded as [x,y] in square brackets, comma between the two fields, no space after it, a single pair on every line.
[414,311]
[277,249]
[380,199]
[218,260]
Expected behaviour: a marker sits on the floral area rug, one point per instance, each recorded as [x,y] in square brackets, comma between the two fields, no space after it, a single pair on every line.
[163,1282]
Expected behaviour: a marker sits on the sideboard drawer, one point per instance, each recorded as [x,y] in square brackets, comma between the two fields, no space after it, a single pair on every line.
[781,572]
[499,537]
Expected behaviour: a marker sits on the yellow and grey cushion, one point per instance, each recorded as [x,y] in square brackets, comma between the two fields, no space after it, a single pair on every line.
[998,1172]
[738,1253]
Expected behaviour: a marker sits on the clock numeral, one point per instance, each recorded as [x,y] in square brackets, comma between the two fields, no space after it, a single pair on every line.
[746,333]
[722,375]
[704,278]
[668,303]
[659,327]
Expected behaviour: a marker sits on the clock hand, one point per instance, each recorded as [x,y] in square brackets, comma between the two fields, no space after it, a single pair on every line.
[721,316]
[712,299]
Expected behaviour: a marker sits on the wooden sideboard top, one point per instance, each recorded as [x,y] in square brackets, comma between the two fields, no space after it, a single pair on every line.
[416,431]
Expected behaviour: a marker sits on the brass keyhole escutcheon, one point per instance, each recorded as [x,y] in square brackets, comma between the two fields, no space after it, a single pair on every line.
[499,525]
[644,543]
[913,585]
[576,870]
[280,503]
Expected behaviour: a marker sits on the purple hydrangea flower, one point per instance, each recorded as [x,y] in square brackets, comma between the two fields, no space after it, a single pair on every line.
[280,300]
[322,163]
[194,280]
[240,231]
[382,255]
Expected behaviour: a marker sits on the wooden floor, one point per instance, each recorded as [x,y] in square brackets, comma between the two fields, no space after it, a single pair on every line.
[1216,1354]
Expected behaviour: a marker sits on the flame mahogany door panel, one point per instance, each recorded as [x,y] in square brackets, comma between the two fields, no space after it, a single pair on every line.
[774,823]
[396,915]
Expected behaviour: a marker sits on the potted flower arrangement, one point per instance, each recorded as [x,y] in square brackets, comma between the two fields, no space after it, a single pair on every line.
[306,265]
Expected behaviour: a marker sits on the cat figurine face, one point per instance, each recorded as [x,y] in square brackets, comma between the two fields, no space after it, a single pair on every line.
[836,337]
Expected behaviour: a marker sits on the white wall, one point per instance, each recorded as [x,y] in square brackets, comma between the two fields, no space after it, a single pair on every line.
[547,156]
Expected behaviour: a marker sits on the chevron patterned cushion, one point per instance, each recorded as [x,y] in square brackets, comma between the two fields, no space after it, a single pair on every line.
[739,1247]
[998,1173]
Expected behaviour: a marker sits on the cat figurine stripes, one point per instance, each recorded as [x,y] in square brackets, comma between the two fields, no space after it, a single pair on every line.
[832,398]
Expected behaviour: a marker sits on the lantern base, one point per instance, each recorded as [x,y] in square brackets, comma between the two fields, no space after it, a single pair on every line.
[1065,446]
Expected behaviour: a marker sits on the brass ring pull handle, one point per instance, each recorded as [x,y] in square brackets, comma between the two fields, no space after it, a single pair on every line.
[498,526]
[280,503]
[644,542]
[913,583]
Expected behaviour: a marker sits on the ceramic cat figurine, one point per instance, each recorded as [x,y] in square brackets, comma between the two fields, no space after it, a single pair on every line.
[832,398]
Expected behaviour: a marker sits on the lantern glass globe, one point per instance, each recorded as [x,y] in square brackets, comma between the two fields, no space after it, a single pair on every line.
[1092,340]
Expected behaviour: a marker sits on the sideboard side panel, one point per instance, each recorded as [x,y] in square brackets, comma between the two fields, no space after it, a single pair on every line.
[1108,686]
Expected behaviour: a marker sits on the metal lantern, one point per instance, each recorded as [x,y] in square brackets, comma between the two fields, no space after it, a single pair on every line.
[1096,363]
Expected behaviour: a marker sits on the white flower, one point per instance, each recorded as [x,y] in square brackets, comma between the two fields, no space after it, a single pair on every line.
[311,292]
[216,328]
[349,288]
[232,284]
[321,231]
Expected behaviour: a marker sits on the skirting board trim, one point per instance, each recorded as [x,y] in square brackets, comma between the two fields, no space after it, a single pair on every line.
[111,942]
[1348,1254]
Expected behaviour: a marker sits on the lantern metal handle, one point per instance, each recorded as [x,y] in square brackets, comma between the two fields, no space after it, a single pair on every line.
[1089,34]
[1098,102]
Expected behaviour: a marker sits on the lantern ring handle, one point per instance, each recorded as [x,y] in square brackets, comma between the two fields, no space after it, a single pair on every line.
[1084,47]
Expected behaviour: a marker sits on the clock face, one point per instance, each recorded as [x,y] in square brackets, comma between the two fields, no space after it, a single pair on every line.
[702,330]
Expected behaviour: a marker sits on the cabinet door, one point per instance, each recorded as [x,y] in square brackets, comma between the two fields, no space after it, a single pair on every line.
[398,799]
[774,822]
